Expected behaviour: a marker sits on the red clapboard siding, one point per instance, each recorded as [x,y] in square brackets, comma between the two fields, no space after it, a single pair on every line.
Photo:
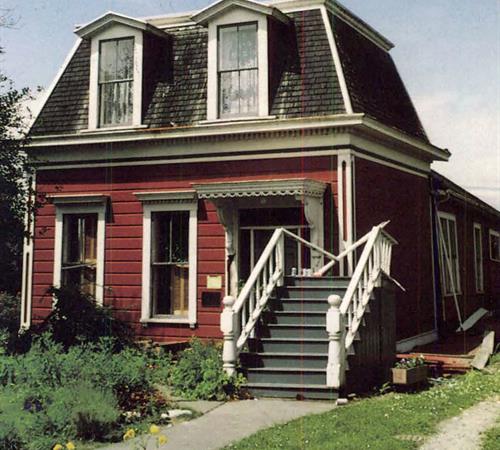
[384,193]
[124,230]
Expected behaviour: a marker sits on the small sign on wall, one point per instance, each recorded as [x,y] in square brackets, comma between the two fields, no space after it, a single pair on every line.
[214,282]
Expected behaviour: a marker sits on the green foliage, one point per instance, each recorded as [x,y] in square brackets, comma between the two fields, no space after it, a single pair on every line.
[393,421]
[58,395]
[198,374]
[410,363]
[77,319]
[491,438]
[37,420]
[13,189]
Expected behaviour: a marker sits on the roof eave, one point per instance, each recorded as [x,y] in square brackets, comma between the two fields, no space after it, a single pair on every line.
[92,28]
[426,149]
[207,14]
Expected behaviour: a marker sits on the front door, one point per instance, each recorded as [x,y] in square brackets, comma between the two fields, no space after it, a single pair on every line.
[256,228]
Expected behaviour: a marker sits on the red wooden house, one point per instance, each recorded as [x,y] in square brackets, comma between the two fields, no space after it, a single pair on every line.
[248,153]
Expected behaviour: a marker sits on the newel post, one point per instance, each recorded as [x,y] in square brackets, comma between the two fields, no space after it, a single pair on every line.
[335,326]
[227,328]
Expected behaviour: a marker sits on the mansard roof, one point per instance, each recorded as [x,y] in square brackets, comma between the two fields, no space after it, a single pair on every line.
[310,82]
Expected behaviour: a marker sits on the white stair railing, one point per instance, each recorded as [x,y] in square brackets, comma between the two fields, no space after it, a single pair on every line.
[240,315]
[346,315]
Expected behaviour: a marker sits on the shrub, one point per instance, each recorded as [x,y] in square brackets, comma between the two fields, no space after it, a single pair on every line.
[10,319]
[77,319]
[35,421]
[198,374]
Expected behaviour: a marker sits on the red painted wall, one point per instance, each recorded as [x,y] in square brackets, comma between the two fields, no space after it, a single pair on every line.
[123,265]
[384,193]
[470,300]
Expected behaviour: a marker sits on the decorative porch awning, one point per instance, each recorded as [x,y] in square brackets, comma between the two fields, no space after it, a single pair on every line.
[301,187]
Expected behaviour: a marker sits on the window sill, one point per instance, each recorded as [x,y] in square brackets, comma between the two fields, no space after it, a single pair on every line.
[236,120]
[168,319]
[120,128]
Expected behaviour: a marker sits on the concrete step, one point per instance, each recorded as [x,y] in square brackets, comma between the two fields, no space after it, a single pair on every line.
[309,292]
[302,317]
[288,345]
[286,375]
[327,282]
[297,391]
[299,305]
[292,331]
[291,360]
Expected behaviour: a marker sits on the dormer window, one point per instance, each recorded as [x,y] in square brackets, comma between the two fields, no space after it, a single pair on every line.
[116,82]
[238,70]
[123,52]
[238,66]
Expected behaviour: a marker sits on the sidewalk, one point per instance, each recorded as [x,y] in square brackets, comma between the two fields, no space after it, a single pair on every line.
[231,422]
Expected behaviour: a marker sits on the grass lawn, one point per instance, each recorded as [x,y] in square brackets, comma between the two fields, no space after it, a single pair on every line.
[392,421]
[491,438]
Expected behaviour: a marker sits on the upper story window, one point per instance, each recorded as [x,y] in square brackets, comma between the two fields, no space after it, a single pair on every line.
[238,71]
[116,82]
[238,78]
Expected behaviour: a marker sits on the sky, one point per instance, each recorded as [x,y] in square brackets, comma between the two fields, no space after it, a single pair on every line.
[447,52]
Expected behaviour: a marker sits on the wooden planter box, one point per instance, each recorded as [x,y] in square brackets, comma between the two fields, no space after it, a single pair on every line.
[409,376]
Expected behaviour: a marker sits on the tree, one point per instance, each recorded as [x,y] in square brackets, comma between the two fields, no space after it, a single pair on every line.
[13,186]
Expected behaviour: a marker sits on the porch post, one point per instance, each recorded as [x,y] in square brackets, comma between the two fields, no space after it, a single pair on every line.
[227,212]
[313,210]
[335,326]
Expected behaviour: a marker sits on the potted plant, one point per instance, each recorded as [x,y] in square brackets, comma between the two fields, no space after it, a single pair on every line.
[409,371]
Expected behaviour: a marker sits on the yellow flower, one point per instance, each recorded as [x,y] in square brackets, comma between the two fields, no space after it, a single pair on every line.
[130,434]
[58,447]
[162,439]
[154,429]
[70,446]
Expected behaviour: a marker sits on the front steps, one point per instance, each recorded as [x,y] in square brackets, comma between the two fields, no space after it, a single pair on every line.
[289,354]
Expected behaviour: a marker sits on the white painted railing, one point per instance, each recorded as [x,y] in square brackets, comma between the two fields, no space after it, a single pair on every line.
[345,316]
[240,316]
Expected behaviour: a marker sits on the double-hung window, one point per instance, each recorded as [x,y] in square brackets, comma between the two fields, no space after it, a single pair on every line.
[79,258]
[169,256]
[116,82]
[450,268]
[238,70]
[79,243]
[170,263]
[478,258]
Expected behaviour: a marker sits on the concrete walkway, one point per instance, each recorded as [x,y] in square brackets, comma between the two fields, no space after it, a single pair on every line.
[463,432]
[231,422]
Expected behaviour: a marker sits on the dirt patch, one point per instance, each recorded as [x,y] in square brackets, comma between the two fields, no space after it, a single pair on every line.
[463,432]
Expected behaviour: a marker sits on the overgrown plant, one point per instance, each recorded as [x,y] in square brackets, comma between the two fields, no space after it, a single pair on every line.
[198,374]
[76,318]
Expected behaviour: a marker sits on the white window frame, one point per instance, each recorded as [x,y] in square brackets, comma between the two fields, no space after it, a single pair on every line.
[163,202]
[116,31]
[478,247]
[493,234]
[237,16]
[444,266]
[81,205]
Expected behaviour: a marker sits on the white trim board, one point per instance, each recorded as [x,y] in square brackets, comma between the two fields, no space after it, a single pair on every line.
[406,345]
[336,61]
[28,249]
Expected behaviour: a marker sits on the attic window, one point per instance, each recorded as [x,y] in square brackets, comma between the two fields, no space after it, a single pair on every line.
[116,82]
[238,70]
